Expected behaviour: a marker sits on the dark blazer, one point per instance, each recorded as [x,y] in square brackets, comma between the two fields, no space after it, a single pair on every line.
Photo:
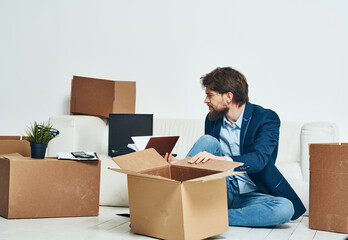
[259,139]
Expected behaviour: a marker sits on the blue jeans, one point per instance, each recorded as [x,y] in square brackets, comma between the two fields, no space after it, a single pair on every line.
[253,209]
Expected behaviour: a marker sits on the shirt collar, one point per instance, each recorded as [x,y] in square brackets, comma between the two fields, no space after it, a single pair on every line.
[237,124]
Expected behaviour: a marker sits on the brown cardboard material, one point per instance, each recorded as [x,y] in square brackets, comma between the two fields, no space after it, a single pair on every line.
[328,204]
[101,97]
[176,201]
[36,188]
[14,144]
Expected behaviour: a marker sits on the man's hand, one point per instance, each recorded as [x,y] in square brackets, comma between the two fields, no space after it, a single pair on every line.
[203,157]
[170,158]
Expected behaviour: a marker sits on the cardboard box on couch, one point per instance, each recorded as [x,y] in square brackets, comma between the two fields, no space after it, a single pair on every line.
[101,97]
[328,197]
[176,201]
[36,188]
[14,144]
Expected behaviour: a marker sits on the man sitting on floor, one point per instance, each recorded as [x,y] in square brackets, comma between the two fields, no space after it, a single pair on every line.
[236,130]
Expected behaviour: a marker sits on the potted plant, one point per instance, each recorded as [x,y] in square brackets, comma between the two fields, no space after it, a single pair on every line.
[39,135]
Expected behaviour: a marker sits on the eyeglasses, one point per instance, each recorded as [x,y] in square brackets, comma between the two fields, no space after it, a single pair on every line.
[53,131]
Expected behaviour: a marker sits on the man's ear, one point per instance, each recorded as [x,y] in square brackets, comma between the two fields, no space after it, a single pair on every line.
[229,97]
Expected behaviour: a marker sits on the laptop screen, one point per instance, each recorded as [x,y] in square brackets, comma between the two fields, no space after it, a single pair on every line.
[124,126]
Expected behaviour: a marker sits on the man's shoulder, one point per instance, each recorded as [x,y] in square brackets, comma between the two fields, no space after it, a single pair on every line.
[261,112]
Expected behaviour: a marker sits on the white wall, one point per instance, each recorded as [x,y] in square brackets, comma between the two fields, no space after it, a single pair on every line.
[293,53]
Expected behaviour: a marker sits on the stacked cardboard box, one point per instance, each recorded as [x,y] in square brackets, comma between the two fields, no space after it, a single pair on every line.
[328,197]
[101,97]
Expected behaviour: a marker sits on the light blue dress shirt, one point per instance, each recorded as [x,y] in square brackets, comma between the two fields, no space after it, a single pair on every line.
[230,146]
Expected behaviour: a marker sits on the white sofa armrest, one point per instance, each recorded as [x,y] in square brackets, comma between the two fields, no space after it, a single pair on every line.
[315,132]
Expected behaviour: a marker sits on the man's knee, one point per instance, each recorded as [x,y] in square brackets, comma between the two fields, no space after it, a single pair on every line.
[206,143]
[208,140]
[285,210]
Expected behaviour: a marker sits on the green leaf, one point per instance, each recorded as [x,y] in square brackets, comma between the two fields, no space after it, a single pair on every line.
[39,133]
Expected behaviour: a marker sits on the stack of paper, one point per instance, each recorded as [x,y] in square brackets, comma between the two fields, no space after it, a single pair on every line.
[69,156]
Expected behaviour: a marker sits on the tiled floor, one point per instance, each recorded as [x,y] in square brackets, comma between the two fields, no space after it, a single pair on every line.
[108,225]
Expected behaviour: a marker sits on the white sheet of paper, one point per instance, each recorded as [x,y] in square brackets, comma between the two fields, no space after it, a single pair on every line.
[132,146]
[141,142]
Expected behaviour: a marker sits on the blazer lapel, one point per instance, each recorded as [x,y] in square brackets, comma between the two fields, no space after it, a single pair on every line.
[245,124]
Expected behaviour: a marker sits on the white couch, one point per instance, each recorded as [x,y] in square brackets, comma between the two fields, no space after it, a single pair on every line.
[89,133]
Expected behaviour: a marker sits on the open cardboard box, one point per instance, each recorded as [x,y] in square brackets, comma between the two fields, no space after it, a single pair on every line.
[328,196]
[101,97]
[35,188]
[176,201]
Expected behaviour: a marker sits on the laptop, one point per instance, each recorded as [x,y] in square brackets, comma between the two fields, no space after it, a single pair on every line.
[162,145]
[124,126]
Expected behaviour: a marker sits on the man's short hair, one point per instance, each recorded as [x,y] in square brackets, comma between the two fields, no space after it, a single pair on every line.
[227,79]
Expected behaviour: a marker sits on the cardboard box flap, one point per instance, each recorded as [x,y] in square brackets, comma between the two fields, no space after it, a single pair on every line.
[14,144]
[141,161]
[217,165]
[326,144]
[128,172]
[11,156]
[214,176]
[10,137]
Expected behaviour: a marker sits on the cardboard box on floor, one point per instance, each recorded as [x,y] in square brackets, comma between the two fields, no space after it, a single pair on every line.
[36,188]
[101,97]
[176,201]
[328,197]
[14,144]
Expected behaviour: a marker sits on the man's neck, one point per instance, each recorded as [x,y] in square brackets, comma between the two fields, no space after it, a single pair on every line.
[234,113]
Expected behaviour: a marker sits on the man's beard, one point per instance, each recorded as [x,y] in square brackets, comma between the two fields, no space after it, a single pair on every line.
[217,114]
